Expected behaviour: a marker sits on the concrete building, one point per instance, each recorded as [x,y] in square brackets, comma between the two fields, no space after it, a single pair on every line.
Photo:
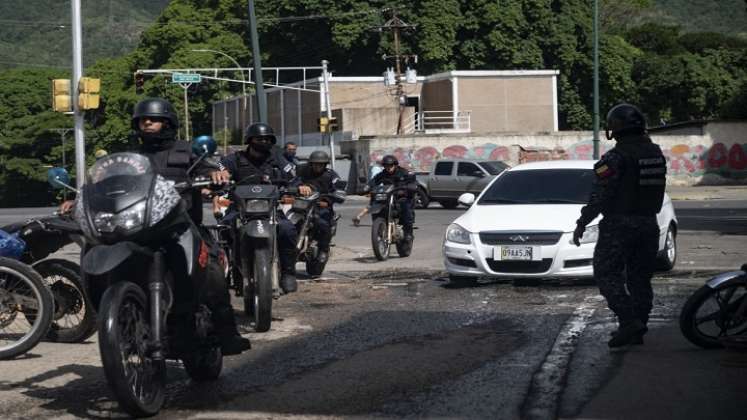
[518,101]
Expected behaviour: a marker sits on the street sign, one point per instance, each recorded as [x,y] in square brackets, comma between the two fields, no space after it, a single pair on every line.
[186,78]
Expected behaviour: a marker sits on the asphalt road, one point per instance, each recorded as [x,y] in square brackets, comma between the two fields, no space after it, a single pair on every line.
[395,339]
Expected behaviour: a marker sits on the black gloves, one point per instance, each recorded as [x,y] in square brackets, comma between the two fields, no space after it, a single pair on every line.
[578,233]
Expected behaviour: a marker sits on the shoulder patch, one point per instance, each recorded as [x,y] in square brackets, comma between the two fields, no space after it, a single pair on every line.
[604,171]
[288,168]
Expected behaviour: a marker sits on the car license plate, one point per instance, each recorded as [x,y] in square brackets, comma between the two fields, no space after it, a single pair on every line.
[515,253]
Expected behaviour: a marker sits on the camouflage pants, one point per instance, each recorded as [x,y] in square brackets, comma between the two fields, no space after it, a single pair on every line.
[624,261]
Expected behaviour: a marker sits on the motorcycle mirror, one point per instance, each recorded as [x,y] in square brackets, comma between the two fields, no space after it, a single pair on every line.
[59,178]
[204,145]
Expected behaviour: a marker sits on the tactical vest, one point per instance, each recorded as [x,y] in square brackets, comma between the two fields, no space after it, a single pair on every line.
[172,164]
[643,180]
[321,182]
[245,168]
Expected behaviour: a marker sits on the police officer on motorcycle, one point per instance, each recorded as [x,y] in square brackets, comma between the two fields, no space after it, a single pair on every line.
[399,177]
[155,124]
[325,181]
[628,191]
[260,158]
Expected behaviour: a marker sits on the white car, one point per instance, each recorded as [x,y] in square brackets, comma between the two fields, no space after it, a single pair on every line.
[522,224]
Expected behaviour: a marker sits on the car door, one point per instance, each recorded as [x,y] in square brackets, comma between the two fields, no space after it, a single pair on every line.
[441,179]
[471,178]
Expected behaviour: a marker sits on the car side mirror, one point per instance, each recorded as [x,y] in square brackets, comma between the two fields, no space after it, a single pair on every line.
[467,199]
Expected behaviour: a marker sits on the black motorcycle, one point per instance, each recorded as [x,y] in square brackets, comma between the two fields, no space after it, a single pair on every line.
[303,212]
[73,319]
[249,238]
[150,271]
[385,230]
[717,310]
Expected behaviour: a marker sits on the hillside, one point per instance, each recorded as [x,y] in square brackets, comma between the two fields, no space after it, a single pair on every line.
[725,16]
[36,33]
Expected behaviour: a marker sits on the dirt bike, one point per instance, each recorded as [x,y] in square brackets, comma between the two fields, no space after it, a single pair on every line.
[74,319]
[303,212]
[150,272]
[385,230]
[717,310]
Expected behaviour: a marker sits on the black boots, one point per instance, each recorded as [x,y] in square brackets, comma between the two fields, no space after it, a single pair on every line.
[629,332]
[231,342]
[288,282]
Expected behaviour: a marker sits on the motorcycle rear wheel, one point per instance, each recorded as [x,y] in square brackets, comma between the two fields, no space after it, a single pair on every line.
[138,381]
[378,239]
[20,287]
[258,298]
[720,317]
[74,318]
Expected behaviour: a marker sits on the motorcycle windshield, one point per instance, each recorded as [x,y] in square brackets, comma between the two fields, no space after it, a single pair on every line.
[119,181]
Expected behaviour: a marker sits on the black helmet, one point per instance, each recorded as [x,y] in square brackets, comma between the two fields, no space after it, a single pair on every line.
[154,107]
[389,160]
[259,130]
[624,119]
[319,156]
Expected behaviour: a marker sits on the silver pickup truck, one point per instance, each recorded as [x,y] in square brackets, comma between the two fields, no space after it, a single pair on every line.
[451,178]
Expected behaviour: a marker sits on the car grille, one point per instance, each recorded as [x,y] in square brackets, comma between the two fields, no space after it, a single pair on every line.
[520,238]
[526,267]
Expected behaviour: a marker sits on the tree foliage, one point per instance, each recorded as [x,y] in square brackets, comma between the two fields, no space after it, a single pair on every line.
[673,73]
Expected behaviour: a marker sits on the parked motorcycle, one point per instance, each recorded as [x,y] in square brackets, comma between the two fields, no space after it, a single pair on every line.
[303,212]
[74,319]
[25,302]
[385,230]
[717,310]
[249,238]
[142,246]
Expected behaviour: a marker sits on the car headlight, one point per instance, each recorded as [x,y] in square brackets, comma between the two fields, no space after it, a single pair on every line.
[128,219]
[457,234]
[257,206]
[591,235]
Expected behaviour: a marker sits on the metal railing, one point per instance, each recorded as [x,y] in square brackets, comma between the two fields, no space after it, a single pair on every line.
[440,122]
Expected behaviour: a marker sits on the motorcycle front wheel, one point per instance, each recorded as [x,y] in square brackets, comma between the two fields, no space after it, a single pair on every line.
[378,239]
[25,308]
[258,298]
[709,315]
[137,380]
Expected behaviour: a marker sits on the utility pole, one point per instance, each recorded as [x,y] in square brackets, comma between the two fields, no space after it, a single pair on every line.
[258,82]
[596,80]
[80,144]
[396,26]
[328,106]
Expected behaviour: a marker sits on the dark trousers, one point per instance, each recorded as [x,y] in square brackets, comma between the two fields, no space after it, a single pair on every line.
[624,260]
[287,237]
[406,213]
[323,228]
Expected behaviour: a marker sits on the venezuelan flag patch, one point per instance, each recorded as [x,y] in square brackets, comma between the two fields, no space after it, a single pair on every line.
[604,171]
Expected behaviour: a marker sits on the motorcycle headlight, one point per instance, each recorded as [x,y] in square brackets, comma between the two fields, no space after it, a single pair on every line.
[128,219]
[380,197]
[163,200]
[257,206]
[591,235]
[457,234]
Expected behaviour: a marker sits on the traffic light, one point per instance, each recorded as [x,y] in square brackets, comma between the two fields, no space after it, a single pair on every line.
[61,101]
[139,82]
[323,124]
[333,124]
[88,93]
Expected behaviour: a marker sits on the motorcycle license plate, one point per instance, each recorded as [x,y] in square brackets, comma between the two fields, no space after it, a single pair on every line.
[516,253]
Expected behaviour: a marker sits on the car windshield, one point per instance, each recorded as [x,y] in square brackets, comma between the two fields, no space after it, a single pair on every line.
[494,167]
[541,186]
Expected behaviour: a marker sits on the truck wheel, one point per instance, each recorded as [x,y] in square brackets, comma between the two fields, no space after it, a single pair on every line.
[421,199]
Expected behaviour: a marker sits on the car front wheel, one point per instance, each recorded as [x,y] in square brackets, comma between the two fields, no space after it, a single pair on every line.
[668,256]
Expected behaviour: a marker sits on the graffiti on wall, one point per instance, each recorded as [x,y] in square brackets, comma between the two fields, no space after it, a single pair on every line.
[683,160]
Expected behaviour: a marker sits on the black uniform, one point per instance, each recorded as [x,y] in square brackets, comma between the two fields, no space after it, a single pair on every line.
[628,191]
[325,183]
[401,178]
[275,170]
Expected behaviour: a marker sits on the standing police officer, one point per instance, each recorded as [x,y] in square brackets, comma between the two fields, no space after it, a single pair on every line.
[628,191]
[399,177]
[325,181]
[260,159]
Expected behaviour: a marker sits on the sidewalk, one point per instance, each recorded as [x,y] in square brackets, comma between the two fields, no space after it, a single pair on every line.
[669,378]
[708,192]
